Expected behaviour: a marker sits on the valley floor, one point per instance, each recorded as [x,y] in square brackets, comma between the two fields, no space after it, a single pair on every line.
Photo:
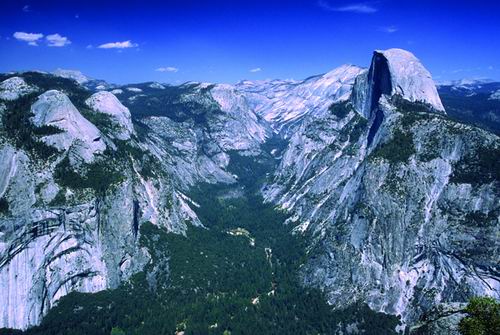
[238,275]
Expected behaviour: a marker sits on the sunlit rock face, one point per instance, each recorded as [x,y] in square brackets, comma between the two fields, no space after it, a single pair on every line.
[239,128]
[395,72]
[50,249]
[76,75]
[409,78]
[385,191]
[283,103]
[53,108]
[14,88]
[399,204]
[107,103]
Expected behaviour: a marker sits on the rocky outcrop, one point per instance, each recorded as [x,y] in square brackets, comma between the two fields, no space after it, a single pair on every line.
[399,204]
[61,231]
[15,87]
[382,185]
[76,75]
[409,78]
[106,103]
[54,109]
[284,103]
[48,250]
[395,72]
[47,254]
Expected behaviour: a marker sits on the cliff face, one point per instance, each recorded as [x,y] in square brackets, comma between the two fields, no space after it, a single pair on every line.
[399,205]
[79,178]
[394,72]
[400,202]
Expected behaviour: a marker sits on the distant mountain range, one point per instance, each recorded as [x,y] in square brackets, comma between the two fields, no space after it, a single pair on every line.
[473,101]
[357,201]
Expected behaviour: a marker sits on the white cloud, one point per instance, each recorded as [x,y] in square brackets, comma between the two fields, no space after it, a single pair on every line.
[360,8]
[26,8]
[90,46]
[56,40]
[167,69]
[118,45]
[30,38]
[257,69]
[389,29]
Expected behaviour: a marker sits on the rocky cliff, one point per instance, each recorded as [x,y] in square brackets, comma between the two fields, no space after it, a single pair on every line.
[401,203]
[78,178]
[397,204]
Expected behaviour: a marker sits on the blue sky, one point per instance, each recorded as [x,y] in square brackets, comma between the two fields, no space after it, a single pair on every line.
[227,41]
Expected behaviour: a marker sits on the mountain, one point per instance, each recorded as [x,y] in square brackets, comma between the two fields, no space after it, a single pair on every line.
[387,191]
[76,75]
[346,202]
[473,101]
[284,103]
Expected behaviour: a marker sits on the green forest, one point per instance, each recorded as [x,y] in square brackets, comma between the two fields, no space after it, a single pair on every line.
[239,274]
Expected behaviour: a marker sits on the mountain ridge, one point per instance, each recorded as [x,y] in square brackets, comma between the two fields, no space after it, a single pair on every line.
[364,161]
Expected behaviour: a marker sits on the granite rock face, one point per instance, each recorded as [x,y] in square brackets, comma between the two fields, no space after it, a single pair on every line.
[399,204]
[53,108]
[49,248]
[284,103]
[61,230]
[15,87]
[409,78]
[106,103]
[385,188]
[395,72]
